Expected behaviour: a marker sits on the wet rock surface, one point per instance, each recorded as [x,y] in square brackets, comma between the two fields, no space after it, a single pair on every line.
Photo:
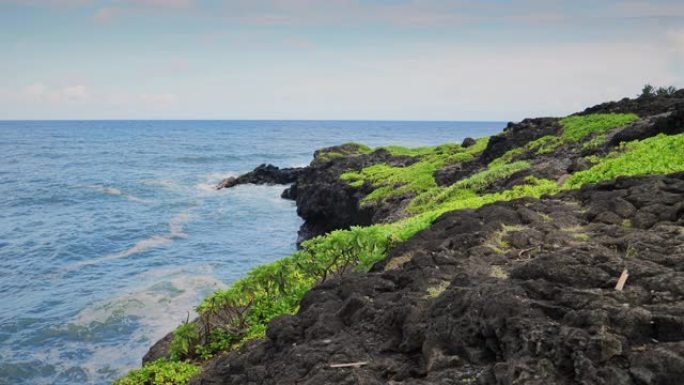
[519,292]
[263,174]
[324,201]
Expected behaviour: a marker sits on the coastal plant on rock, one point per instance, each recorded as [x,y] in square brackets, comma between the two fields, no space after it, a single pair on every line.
[656,155]
[230,317]
[577,127]
[346,149]
[160,372]
[185,338]
[387,181]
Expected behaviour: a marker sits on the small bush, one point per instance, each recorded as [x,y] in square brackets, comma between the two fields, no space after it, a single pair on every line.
[650,91]
[185,338]
[160,372]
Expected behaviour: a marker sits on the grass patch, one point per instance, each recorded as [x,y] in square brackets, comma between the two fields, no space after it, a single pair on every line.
[398,262]
[160,372]
[660,154]
[576,127]
[436,291]
[544,145]
[576,232]
[498,272]
[594,143]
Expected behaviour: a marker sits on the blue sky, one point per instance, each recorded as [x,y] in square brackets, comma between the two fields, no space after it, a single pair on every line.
[306,59]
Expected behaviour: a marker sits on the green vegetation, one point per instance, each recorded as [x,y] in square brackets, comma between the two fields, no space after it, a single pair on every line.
[649,91]
[388,181]
[466,190]
[185,337]
[656,155]
[419,151]
[545,144]
[160,372]
[230,317]
[594,143]
[241,312]
[437,290]
[576,127]
[346,149]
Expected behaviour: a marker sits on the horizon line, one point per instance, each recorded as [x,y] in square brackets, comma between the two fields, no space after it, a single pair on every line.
[249,120]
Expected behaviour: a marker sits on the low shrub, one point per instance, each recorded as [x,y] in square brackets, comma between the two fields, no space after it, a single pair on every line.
[160,372]
[185,338]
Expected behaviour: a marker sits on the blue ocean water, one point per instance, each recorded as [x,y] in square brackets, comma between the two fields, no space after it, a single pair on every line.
[111,231]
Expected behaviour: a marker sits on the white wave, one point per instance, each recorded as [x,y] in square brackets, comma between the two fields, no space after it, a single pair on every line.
[116,192]
[165,300]
[176,225]
[213,179]
[162,304]
[163,183]
[155,241]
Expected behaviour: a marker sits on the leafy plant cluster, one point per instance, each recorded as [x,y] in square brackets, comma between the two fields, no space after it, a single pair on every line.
[387,181]
[650,91]
[241,312]
[577,127]
[230,317]
[346,149]
[160,372]
[466,189]
[660,154]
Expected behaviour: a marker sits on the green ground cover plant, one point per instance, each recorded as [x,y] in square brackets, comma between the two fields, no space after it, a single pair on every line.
[660,154]
[160,372]
[577,127]
[346,149]
[388,181]
[230,317]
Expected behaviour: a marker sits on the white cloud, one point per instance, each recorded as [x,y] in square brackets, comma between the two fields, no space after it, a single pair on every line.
[158,100]
[39,92]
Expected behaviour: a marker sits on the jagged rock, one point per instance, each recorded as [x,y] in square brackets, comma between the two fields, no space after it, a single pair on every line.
[467,142]
[642,106]
[263,174]
[536,312]
[161,349]
[517,135]
[519,292]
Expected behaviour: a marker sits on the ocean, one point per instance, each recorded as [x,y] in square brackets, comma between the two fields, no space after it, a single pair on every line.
[111,231]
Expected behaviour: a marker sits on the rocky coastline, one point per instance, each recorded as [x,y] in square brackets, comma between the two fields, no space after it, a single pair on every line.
[522,289]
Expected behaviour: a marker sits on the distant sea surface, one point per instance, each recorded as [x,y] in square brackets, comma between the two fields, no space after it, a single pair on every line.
[111,231]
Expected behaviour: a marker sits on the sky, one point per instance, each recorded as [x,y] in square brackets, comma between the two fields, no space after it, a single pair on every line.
[334,59]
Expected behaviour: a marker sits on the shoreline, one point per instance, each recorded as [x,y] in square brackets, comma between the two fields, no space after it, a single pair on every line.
[401,198]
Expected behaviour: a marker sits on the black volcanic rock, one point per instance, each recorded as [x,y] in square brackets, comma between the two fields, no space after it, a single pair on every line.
[642,106]
[263,174]
[519,134]
[518,292]
[467,142]
[447,308]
